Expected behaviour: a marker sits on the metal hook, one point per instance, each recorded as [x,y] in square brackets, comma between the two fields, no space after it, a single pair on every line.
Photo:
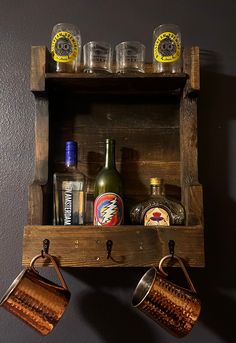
[171,245]
[109,248]
[45,249]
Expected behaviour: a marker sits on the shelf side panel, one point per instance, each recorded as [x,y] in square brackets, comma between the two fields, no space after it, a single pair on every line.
[35,202]
[38,68]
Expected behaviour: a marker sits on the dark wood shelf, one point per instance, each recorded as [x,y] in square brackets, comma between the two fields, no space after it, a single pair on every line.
[143,83]
[155,135]
[133,246]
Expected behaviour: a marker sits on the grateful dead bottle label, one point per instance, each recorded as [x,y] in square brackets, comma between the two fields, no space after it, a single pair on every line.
[108,210]
[167,47]
[64,47]
[156,216]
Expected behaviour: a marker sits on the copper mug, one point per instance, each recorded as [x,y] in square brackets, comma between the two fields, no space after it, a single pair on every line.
[36,300]
[173,307]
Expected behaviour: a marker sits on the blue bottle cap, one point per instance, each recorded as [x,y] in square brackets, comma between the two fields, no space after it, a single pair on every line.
[70,153]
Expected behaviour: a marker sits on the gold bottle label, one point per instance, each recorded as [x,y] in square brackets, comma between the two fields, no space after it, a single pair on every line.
[167,47]
[64,47]
[156,216]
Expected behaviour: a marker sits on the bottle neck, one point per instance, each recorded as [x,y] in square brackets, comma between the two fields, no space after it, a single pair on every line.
[70,167]
[110,155]
[71,155]
[157,190]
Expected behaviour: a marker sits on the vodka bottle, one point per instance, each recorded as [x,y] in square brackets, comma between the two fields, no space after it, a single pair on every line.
[69,190]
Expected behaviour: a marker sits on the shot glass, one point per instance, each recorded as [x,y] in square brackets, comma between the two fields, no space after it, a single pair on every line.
[97,57]
[167,55]
[66,47]
[130,57]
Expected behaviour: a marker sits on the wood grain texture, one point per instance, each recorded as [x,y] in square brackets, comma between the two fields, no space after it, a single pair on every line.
[143,83]
[133,246]
[191,66]
[153,118]
[38,68]
[191,189]
[35,199]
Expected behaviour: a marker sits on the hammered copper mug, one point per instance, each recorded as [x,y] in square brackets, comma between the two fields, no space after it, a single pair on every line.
[36,300]
[173,307]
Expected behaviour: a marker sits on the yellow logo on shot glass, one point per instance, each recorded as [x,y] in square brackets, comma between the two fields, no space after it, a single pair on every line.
[167,47]
[167,51]
[64,47]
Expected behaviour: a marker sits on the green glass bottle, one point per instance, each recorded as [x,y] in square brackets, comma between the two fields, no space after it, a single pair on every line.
[108,204]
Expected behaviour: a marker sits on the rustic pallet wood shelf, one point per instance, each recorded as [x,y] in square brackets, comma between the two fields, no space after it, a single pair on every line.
[133,246]
[153,117]
[148,83]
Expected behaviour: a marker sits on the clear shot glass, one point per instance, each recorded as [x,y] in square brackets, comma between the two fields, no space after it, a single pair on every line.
[130,57]
[97,57]
[167,51]
[66,47]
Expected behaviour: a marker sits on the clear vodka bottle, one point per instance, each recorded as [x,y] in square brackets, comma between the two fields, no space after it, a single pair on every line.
[69,191]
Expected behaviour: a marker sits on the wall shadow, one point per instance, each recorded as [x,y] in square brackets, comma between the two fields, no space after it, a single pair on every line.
[117,322]
[216,115]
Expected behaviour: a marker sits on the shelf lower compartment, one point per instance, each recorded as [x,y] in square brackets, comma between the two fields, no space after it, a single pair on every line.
[132,246]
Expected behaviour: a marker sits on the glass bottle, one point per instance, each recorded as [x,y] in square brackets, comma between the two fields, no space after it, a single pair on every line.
[66,47]
[157,209]
[69,190]
[108,204]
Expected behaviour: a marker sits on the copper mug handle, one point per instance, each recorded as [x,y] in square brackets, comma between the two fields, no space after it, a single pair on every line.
[182,267]
[59,274]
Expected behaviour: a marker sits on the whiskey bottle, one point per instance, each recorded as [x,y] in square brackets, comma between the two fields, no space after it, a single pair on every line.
[69,191]
[108,204]
[158,209]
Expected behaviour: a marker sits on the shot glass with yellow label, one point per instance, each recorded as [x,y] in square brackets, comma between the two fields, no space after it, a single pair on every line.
[167,54]
[66,47]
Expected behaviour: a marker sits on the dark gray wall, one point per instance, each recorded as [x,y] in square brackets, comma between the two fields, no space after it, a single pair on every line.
[209,24]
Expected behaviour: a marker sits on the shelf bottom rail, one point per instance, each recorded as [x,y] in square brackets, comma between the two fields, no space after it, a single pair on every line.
[120,246]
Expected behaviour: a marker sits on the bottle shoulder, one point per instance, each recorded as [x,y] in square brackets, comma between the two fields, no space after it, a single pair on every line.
[108,180]
[108,171]
[69,175]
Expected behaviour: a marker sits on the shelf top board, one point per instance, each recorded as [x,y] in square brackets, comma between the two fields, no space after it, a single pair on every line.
[147,83]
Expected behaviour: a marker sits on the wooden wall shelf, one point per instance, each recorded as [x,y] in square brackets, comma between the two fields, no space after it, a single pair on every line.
[133,246]
[147,83]
[153,119]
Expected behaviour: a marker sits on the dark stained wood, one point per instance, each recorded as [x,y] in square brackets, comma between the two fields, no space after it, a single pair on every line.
[38,68]
[191,66]
[132,245]
[191,197]
[153,118]
[113,83]
[35,203]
